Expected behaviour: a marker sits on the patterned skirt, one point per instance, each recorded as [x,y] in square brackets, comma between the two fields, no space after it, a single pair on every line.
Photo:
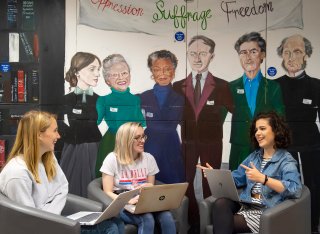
[252,216]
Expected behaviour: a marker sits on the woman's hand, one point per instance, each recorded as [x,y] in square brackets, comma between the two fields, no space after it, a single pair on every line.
[253,173]
[145,185]
[134,200]
[204,168]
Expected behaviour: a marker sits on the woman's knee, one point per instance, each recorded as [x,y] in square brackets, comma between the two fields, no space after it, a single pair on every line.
[148,220]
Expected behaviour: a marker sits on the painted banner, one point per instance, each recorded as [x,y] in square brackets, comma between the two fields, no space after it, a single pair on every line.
[161,17]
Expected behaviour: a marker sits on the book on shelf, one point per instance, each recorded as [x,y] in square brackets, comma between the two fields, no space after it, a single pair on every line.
[21,86]
[24,86]
[2,152]
[13,47]
[26,47]
[28,15]
[14,86]
[4,47]
[12,14]
[4,127]
[35,85]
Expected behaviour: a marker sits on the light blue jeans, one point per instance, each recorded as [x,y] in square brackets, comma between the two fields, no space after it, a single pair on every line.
[146,222]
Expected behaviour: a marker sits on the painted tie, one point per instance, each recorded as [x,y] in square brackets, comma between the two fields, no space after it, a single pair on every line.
[197,90]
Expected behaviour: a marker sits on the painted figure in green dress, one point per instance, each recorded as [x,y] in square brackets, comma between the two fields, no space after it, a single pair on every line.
[118,107]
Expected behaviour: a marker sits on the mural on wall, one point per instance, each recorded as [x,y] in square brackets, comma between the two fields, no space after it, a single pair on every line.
[207,100]
[160,17]
[80,133]
[252,93]
[301,96]
[162,108]
[118,107]
[207,38]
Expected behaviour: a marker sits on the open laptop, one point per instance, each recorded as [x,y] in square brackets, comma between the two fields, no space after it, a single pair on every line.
[221,184]
[92,218]
[159,198]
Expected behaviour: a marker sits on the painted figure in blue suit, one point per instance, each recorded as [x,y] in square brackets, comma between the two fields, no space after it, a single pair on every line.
[163,108]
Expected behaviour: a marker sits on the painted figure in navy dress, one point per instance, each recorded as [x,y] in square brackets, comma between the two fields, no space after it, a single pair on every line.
[80,133]
[163,108]
[301,96]
[118,107]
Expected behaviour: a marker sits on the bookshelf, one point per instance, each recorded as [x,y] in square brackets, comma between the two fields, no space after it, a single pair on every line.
[32,48]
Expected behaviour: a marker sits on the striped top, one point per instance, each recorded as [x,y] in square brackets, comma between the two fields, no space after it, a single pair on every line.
[252,213]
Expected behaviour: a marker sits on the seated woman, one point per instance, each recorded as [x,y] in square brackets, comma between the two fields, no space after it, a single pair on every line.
[268,176]
[32,175]
[130,167]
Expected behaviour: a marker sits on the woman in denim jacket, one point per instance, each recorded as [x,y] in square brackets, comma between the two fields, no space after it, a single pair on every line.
[268,176]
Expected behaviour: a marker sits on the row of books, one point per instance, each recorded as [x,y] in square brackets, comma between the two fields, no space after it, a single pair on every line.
[22,86]
[19,47]
[18,15]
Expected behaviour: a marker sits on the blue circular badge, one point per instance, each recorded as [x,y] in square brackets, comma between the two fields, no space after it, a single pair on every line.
[272,71]
[179,36]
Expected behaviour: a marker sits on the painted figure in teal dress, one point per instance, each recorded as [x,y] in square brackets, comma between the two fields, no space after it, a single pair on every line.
[118,107]
[163,109]
[252,93]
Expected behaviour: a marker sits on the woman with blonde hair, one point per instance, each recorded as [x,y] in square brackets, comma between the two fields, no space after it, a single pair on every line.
[32,176]
[129,167]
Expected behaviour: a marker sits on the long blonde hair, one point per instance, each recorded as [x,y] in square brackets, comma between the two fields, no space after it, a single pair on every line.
[124,142]
[27,143]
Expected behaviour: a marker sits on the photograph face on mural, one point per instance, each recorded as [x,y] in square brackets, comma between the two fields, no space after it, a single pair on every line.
[162,71]
[118,77]
[294,55]
[89,75]
[199,56]
[250,58]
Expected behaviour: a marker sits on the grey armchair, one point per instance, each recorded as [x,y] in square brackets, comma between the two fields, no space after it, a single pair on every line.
[17,219]
[291,216]
[96,193]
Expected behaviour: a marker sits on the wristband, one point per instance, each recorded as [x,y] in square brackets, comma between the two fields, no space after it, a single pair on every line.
[266,178]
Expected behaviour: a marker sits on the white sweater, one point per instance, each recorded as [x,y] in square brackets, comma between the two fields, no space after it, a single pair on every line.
[18,184]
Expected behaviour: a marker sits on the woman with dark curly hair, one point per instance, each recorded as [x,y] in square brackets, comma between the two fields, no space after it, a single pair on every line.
[268,176]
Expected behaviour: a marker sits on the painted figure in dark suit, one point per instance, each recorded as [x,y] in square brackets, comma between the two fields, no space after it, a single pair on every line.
[301,97]
[80,132]
[162,108]
[252,93]
[203,118]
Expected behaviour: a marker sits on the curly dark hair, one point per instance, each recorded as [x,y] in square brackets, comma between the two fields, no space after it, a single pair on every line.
[279,127]
[162,54]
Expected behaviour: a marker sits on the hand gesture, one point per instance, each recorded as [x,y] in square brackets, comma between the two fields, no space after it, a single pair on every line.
[253,173]
[203,168]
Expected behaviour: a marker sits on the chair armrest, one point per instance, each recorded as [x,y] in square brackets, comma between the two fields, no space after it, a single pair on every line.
[290,216]
[17,219]
[205,209]
[76,203]
[96,193]
[181,216]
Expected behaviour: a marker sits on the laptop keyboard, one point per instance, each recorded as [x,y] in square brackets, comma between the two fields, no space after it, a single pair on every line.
[89,217]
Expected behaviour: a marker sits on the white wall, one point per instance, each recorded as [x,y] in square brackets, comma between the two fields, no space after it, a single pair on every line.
[136,47]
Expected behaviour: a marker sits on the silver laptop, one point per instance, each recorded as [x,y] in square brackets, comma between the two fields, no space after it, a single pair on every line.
[92,218]
[221,184]
[159,198]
